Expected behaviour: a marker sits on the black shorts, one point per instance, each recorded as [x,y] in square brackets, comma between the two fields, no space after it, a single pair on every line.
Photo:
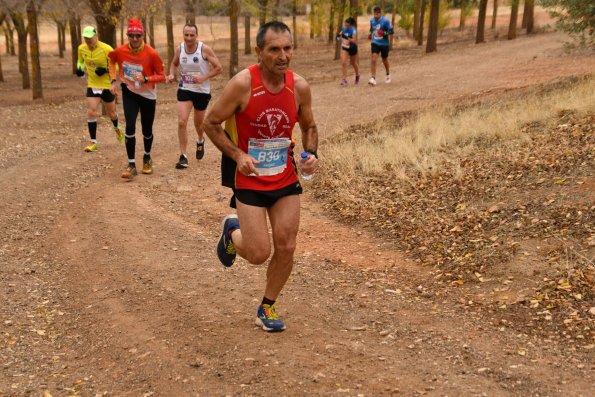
[199,99]
[382,49]
[352,50]
[264,199]
[105,95]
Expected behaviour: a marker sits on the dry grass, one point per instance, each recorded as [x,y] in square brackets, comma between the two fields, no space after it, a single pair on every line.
[419,146]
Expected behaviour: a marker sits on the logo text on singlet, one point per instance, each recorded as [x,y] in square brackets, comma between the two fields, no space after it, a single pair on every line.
[272,123]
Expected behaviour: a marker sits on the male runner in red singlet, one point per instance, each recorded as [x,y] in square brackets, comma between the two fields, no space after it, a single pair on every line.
[260,106]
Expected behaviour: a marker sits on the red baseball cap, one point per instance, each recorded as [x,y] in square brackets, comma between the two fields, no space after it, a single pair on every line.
[135,26]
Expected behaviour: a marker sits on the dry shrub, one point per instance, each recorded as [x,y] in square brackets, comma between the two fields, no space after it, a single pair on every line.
[419,146]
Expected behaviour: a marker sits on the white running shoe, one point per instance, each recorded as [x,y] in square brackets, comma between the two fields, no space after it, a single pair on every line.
[372,81]
[388,79]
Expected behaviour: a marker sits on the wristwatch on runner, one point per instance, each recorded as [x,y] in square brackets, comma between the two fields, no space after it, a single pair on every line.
[312,151]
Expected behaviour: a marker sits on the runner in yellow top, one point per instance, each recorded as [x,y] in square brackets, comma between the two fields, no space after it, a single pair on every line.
[92,55]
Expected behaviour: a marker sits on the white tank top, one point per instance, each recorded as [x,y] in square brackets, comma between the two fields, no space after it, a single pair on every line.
[191,64]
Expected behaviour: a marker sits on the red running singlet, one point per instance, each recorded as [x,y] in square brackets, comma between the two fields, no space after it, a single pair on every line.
[264,129]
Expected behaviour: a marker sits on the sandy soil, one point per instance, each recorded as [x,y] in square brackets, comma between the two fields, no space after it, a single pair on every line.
[112,288]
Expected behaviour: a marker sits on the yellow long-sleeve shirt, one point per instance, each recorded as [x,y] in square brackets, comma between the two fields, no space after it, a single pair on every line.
[92,59]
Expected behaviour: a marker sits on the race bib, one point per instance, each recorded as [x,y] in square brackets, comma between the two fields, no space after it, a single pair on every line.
[272,154]
[130,68]
[187,80]
[345,43]
[97,91]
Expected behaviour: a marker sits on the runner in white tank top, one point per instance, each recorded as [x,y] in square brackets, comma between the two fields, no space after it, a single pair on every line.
[191,65]
[197,64]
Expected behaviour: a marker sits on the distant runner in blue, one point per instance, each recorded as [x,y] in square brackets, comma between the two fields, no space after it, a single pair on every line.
[348,38]
[380,29]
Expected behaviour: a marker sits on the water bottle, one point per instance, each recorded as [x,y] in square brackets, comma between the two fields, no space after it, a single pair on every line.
[304,156]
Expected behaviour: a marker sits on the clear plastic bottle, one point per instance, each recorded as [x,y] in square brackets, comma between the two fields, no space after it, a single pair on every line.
[304,156]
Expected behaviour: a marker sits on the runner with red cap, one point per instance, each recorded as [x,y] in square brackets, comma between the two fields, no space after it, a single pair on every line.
[141,68]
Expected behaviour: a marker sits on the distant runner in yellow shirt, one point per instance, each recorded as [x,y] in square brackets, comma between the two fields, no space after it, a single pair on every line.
[92,56]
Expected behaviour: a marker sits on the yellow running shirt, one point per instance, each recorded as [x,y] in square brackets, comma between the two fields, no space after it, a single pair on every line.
[92,59]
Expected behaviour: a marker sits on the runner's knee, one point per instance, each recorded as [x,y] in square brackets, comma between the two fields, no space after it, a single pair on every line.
[258,255]
[285,247]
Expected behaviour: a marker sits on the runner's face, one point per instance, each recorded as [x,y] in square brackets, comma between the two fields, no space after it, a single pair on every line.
[90,41]
[377,14]
[277,52]
[189,35]
[135,39]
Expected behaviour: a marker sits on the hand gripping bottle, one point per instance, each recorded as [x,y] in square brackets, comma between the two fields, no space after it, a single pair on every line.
[304,156]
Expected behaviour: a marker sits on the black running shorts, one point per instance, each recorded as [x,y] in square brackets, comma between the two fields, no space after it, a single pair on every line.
[105,94]
[352,50]
[199,100]
[382,49]
[265,199]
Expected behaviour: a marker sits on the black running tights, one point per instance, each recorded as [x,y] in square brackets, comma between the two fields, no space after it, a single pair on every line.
[133,104]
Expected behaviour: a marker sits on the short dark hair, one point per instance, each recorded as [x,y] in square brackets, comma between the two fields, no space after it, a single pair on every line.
[275,26]
[376,9]
[350,21]
[191,25]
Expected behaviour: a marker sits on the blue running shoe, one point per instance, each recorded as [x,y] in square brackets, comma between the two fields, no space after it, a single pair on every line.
[268,319]
[225,249]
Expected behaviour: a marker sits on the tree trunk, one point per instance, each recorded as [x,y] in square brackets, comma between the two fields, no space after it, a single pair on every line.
[340,15]
[143,21]
[19,25]
[152,30]
[315,4]
[169,27]
[262,12]
[275,10]
[481,21]
[74,41]
[331,24]
[63,33]
[416,18]
[514,13]
[422,17]
[122,22]
[9,36]
[233,29]
[463,15]
[105,15]
[354,10]
[34,48]
[394,16]
[2,18]
[433,26]
[59,31]
[247,38]
[530,10]
[190,12]
[524,20]
[294,21]
[494,14]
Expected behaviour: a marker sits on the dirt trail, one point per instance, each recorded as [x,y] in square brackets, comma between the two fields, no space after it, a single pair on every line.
[113,288]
